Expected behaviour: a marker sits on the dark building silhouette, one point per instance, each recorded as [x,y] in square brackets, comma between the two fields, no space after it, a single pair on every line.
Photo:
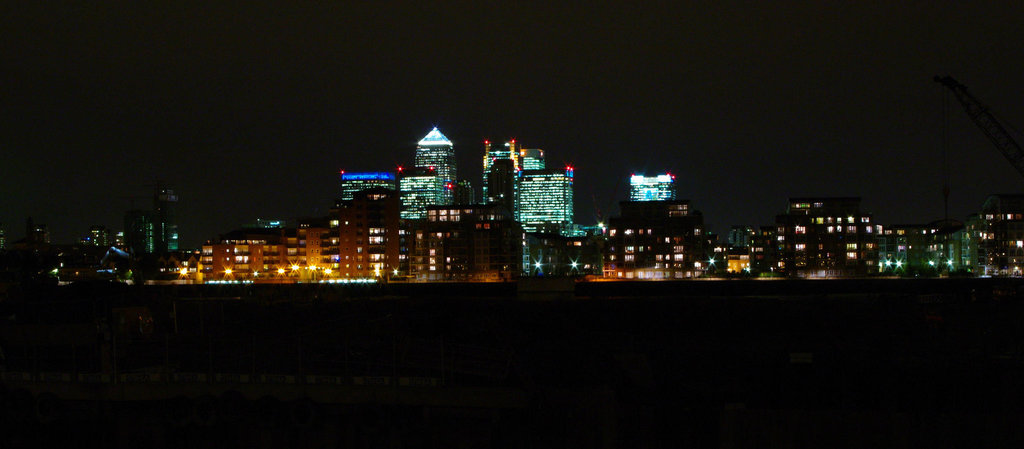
[501,183]
[467,243]
[657,240]
[826,237]
[139,232]
[165,226]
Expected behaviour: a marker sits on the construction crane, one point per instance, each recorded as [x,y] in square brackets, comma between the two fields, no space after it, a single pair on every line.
[995,131]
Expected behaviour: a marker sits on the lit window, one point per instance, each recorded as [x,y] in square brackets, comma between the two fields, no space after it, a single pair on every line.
[851,255]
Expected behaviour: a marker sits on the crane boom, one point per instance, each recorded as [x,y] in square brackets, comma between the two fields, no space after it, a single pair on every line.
[978,112]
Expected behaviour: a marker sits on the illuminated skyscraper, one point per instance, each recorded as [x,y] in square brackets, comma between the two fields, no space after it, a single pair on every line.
[652,188]
[544,200]
[509,151]
[435,152]
[531,158]
[355,182]
[3,237]
[419,188]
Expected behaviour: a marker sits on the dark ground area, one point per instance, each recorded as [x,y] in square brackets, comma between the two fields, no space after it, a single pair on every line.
[879,363]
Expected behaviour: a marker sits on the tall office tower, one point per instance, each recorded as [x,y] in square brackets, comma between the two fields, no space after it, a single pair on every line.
[419,188]
[509,151]
[357,181]
[544,200]
[437,153]
[463,192]
[531,158]
[165,228]
[652,188]
[99,235]
[139,235]
[501,184]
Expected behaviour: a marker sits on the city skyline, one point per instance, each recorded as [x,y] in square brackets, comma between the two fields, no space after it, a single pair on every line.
[746,106]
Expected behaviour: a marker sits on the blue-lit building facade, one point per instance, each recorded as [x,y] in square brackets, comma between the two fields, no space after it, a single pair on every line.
[652,188]
[358,181]
[544,200]
[436,153]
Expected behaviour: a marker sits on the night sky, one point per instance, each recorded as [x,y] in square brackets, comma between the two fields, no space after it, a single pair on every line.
[250,109]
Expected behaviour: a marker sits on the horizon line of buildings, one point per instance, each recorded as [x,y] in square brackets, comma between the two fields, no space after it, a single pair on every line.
[424,223]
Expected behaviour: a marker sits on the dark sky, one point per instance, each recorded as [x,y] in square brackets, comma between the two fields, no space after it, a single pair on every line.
[250,109]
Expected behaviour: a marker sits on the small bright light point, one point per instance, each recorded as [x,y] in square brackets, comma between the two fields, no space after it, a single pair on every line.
[255,273]
[227,271]
[183,271]
[327,271]
[950,262]
[295,267]
[899,263]
[931,262]
[574,264]
[280,271]
[888,263]
[537,264]
[395,272]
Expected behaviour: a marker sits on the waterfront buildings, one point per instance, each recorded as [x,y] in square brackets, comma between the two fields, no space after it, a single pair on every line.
[825,237]
[467,243]
[652,188]
[1000,235]
[352,182]
[921,249]
[544,200]
[369,238]
[657,240]
[437,154]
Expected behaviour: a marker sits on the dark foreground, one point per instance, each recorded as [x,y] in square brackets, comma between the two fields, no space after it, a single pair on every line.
[881,363]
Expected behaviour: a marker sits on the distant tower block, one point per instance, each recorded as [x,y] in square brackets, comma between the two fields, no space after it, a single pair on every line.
[652,188]
[435,152]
